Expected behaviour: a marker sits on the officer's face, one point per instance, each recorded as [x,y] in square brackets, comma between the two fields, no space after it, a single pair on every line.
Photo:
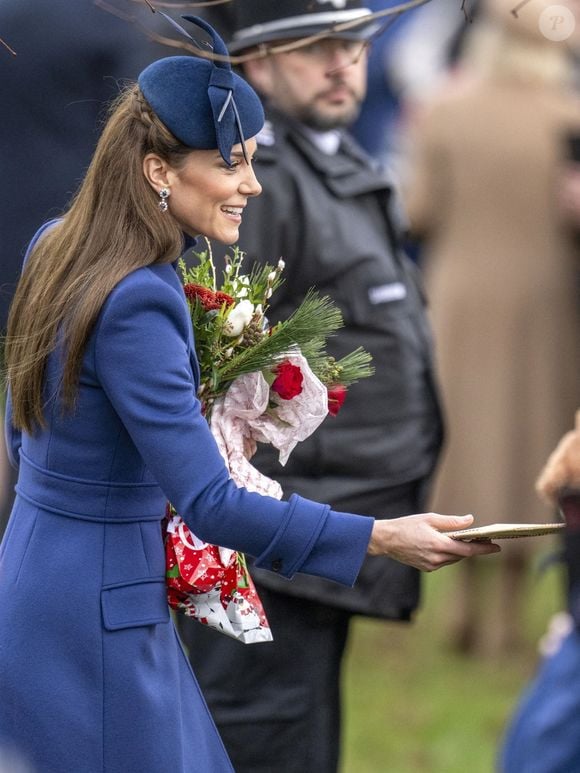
[321,85]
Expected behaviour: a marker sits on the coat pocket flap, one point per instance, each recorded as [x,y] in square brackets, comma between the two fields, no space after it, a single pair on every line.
[134,604]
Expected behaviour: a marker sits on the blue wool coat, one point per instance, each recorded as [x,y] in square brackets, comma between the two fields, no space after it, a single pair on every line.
[92,675]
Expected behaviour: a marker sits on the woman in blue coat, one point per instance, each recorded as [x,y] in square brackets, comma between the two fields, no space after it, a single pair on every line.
[105,426]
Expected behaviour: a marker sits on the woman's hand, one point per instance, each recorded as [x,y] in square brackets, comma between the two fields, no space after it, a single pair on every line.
[420,541]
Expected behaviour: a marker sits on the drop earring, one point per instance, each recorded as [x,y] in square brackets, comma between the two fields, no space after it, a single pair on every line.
[163,196]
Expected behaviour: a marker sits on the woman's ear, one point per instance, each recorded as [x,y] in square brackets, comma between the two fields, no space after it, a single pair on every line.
[156,171]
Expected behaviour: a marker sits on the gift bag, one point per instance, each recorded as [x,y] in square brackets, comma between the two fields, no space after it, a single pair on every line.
[212,584]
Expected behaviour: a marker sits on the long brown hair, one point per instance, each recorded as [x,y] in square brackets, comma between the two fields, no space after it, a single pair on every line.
[112,227]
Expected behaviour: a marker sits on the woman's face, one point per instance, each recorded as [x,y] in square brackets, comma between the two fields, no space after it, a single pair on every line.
[207,197]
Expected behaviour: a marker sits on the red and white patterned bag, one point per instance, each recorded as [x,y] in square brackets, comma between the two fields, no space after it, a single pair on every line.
[212,584]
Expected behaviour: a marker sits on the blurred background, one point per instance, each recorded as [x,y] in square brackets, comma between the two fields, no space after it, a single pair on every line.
[473,106]
[413,705]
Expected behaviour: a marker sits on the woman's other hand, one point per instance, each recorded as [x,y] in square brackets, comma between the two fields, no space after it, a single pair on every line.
[420,540]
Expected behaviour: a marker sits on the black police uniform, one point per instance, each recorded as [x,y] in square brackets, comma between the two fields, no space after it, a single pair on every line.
[328,217]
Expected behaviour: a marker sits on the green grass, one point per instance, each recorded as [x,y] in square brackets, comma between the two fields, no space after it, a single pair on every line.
[413,706]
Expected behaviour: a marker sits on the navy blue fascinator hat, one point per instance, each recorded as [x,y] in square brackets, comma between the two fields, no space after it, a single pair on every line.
[203,103]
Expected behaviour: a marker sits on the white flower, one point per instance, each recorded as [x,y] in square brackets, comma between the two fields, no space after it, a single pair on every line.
[238,318]
[281,265]
[271,277]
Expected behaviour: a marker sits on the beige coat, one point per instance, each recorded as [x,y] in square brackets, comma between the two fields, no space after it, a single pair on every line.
[502,272]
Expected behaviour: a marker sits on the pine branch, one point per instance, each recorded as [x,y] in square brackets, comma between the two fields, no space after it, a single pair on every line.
[355,366]
[313,321]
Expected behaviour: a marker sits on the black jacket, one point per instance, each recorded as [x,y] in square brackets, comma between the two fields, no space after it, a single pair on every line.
[328,218]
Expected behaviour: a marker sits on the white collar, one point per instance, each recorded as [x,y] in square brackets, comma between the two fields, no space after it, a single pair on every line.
[327,142]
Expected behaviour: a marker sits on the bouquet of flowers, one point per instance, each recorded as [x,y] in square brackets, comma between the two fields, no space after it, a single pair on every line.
[259,383]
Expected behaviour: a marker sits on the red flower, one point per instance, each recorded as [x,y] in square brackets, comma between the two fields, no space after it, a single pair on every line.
[208,298]
[288,381]
[224,298]
[336,397]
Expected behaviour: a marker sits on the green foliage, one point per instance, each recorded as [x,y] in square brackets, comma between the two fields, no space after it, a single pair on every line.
[347,370]
[227,350]
[260,282]
[309,326]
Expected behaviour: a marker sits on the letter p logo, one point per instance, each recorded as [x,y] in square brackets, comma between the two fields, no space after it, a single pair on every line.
[557,23]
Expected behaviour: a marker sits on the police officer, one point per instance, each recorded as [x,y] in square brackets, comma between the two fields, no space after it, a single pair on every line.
[327,211]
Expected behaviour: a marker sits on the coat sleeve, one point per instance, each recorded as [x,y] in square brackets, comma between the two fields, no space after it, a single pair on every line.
[142,362]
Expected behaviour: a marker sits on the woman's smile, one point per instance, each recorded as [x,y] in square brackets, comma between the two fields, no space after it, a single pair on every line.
[233,213]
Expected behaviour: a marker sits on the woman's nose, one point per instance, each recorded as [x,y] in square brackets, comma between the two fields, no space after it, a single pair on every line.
[250,185]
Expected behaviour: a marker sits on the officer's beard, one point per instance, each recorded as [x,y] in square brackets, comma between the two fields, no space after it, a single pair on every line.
[323,122]
[324,119]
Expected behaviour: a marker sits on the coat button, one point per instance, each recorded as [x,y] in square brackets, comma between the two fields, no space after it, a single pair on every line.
[276,565]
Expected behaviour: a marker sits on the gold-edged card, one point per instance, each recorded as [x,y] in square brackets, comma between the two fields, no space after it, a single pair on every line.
[495,531]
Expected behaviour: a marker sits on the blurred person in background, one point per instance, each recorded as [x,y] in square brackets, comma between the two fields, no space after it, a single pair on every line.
[67,67]
[326,210]
[544,733]
[501,260]
[418,60]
